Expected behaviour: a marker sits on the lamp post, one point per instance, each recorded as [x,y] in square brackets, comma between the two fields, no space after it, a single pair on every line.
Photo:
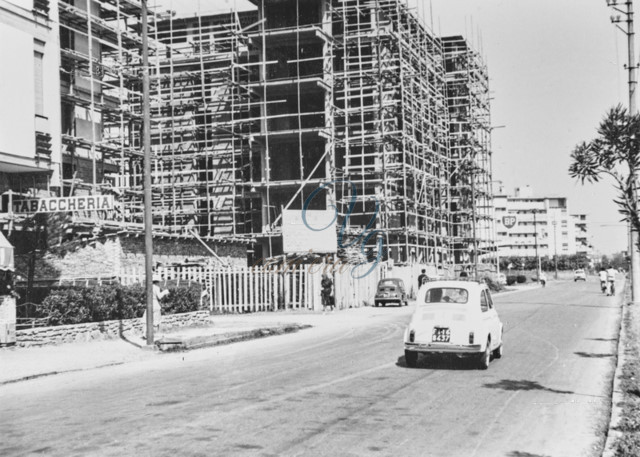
[631,67]
[555,247]
[535,234]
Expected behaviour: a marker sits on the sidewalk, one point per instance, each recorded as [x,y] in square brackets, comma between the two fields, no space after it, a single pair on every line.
[21,364]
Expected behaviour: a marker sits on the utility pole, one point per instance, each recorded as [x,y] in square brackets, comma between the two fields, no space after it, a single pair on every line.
[535,234]
[555,246]
[146,142]
[631,68]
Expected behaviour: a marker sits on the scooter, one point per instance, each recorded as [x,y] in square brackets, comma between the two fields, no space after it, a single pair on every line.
[603,286]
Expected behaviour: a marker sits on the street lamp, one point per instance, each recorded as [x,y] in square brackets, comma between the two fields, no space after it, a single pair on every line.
[535,234]
[555,246]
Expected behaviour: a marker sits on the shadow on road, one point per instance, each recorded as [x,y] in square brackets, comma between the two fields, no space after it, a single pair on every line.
[573,305]
[592,355]
[524,454]
[603,339]
[440,363]
[522,385]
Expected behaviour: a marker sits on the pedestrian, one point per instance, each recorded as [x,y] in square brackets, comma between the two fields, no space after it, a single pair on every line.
[422,278]
[543,278]
[326,293]
[158,294]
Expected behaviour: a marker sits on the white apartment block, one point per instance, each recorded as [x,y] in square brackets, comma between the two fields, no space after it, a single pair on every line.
[30,94]
[524,221]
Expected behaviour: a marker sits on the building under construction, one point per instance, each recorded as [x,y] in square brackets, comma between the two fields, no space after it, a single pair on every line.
[252,111]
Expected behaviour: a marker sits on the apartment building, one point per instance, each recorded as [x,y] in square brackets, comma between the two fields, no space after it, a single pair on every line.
[525,222]
[30,93]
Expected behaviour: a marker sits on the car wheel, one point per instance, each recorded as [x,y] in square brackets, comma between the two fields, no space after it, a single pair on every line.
[497,354]
[485,359]
[411,358]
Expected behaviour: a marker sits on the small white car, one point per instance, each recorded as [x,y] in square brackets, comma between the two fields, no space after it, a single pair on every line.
[579,275]
[454,317]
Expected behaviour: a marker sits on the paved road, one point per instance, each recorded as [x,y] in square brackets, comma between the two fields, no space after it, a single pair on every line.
[343,390]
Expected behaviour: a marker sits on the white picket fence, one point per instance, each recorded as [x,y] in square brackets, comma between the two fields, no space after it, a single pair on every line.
[237,290]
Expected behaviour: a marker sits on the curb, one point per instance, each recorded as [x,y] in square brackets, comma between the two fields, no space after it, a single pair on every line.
[53,373]
[173,345]
[617,397]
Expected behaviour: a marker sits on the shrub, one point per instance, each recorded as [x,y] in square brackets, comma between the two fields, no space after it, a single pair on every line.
[64,306]
[520,279]
[493,285]
[511,280]
[182,299]
[76,305]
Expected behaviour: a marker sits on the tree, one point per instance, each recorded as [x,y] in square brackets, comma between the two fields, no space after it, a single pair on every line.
[615,152]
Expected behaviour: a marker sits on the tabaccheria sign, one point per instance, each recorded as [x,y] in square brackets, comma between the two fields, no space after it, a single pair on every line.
[64,204]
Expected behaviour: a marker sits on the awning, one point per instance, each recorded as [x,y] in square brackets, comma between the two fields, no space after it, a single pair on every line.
[6,254]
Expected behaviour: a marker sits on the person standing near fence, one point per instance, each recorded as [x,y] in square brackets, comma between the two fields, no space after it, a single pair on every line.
[422,278]
[326,293]
[158,294]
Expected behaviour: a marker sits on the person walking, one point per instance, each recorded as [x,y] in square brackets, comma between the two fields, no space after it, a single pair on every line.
[422,278]
[158,294]
[543,278]
[326,293]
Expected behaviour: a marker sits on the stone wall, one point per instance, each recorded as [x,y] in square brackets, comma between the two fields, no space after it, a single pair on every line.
[176,250]
[109,257]
[102,330]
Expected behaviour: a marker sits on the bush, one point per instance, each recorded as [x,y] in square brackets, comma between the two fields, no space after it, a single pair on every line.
[182,299]
[493,285]
[511,280]
[520,279]
[64,306]
[76,305]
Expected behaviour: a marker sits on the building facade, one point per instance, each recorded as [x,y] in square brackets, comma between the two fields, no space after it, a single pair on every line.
[527,225]
[30,93]
[252,111]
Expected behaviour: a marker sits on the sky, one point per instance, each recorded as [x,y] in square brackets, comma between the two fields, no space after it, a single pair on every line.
[555,68]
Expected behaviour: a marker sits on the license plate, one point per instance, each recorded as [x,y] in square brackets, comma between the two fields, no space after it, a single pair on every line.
[441,335]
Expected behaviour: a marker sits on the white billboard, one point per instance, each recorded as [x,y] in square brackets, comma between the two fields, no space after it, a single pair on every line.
[314,231]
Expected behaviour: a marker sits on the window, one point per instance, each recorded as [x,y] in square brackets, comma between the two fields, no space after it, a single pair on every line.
[484,303]
[38,82]
[446,295]
[489,299]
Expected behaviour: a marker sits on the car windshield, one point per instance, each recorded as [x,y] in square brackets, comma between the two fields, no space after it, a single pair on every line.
[579,272]
[446,295]
[387,283]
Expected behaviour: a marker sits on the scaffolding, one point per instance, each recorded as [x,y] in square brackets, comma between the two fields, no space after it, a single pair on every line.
[252,111]
[467,85]
[99,56]
[392,127]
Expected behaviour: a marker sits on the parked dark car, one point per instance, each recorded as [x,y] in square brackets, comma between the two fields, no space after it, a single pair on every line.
[391,290]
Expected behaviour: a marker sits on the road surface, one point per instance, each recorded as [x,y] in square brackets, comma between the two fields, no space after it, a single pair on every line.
[342,389]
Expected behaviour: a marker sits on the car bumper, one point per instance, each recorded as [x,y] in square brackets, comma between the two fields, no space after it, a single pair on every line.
[388,299]
[444,348]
